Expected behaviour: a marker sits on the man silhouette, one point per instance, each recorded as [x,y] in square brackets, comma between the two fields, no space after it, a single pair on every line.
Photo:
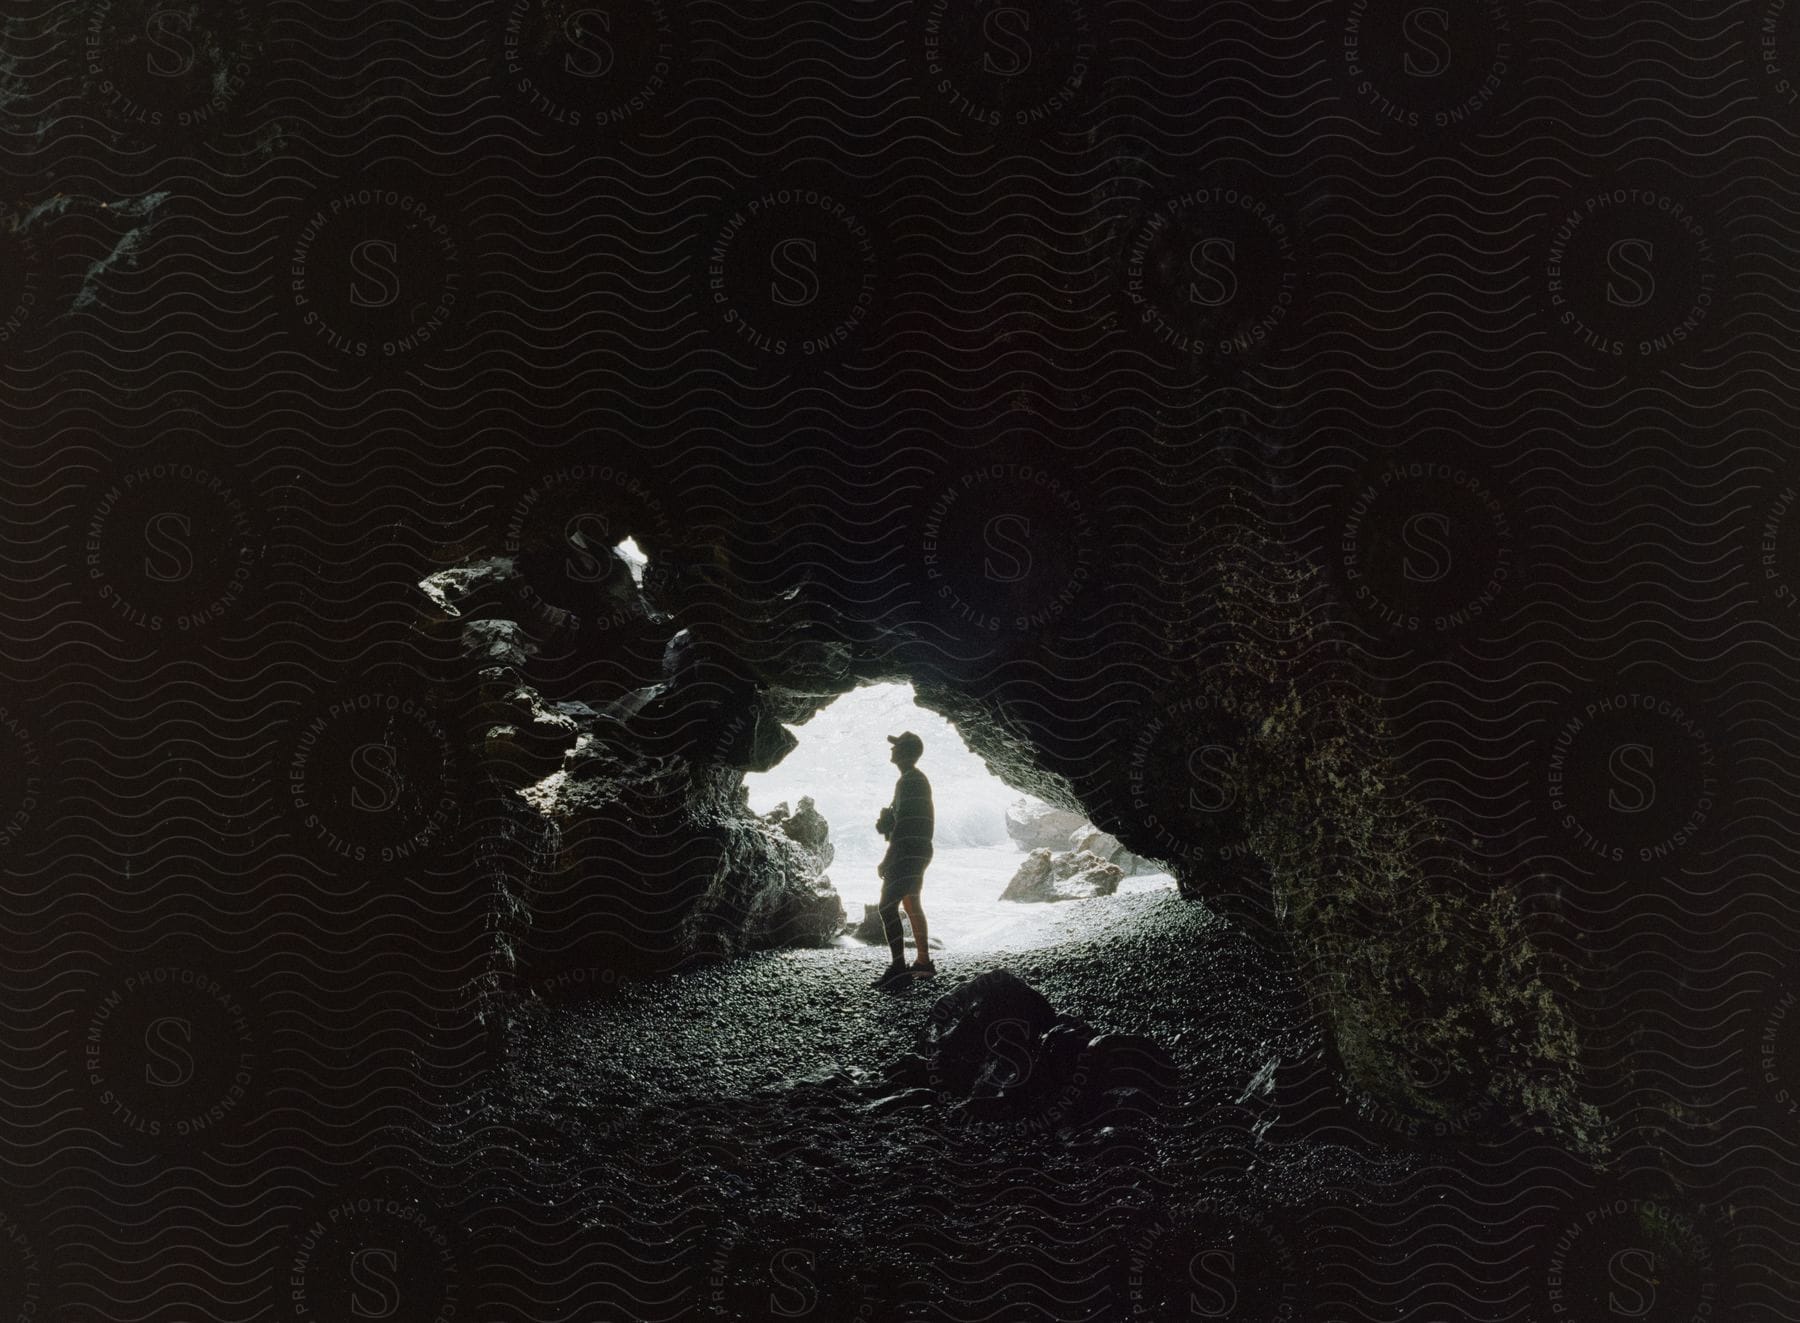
[907,823]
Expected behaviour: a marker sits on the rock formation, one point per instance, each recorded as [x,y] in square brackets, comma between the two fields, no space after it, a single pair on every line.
[805,826]
[1075,875]
[617,720]
[870,932]
[1107,848]
[1034,825]
[995,1050]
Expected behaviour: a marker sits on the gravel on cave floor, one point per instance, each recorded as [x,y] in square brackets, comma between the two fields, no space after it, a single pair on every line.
[722,1115]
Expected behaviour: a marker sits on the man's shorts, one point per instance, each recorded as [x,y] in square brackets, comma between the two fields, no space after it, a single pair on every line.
[904,878]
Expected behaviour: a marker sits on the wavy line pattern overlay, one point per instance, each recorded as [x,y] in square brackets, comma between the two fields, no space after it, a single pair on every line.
[302,302]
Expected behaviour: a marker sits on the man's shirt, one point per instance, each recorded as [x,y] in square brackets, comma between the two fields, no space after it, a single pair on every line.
[914,817]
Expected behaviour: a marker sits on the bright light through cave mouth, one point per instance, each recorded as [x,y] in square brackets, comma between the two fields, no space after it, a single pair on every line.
[841,761]
[635,560]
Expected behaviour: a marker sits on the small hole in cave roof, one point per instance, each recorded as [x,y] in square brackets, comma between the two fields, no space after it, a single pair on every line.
[635,560]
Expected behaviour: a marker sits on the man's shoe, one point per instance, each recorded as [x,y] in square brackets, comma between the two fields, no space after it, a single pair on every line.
[894,974]
[924,969]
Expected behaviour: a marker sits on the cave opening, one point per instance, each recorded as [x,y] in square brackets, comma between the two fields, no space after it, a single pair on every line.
[630,845]
[984,833]
[636,562]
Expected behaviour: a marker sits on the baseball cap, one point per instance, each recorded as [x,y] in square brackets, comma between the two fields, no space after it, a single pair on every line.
[906,739]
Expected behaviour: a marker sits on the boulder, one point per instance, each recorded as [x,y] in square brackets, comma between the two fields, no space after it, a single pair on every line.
[995,1050]
[807,828]
[908,1070]
[497,642]
[1073,862]
[1096,842]
[764,890]
[994,1013]
[1032,878]
[1057,1057]
[1095,880]
[795,911]
[1036,825]
[1107,848]
[1043,877]
[871,932]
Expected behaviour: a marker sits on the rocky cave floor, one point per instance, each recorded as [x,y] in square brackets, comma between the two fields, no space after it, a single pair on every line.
[716,1143]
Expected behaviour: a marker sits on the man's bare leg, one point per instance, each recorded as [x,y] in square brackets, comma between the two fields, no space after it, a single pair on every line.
[895,934]
[916,912]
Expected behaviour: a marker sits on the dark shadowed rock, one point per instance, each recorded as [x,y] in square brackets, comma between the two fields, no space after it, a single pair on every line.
[497,642]
[1133,1061]
[806,826]
[904,1101]
[870,931]
[1058,1055]
[996,1050]
[968,1024]
[909,1069]
[796,905]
